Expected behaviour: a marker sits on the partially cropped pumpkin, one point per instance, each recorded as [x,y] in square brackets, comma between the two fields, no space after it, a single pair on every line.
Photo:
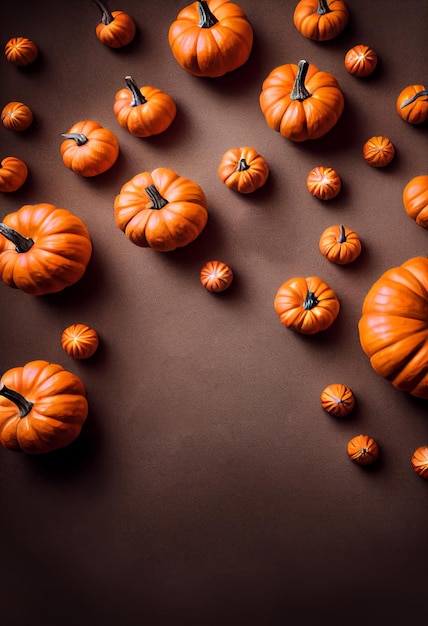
[323,183]
[415,199]
[211,38]
[337,399]
[43,249]
[79,341]
[89,149]
[143,111]
[16,116]
[300,101]
[320,20]
[378,151]
[393,328]
[21,51]
[13,174]
[42,408]
[363,450]
[340,244]
[420,461]
[243,169]
[161,210]
[361,61]
[412,104]
[216,276]
[306,305]
[116,29]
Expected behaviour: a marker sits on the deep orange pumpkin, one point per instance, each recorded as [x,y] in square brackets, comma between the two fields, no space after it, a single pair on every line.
[420,461]
[89,149]
[13,174]
[415,199]
[21,51]
[243,169]
[340,244]
[323,183]
[412,104]
[216,276]
[363,450]
[116,29]
[79,341]
[320,20]
[378,151]
[337,399]
[16,116]
[361,61]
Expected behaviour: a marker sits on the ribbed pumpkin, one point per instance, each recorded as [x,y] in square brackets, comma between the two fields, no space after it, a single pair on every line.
[420,461]
[378,151]
[13,174]
[337,399]
[79,341]
[243,169]
[412,104]
[89,149]
[360,61]
[320,20]
[363,450]
[415,199]
[339,244]
[116,29]
[216,276]
[323,183]
[16,116]
[21,51]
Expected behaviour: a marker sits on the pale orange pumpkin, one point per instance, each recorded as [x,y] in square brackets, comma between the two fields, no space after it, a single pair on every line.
[79,341]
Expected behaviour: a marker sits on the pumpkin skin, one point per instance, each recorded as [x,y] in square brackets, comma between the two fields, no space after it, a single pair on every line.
[393,328]
[13,174]
[300,101]
[161,210]
[42,408]
[378,151]
[43,249]
[337,399]
[79,341]
[363,450]
[415,199]
[243,169]
[361,61]
[412,104]
[216,276]
[143,111]
[324,183]
[16,116]
[116,29]
[420,461]
[21,51]
[210,39]
[340,244]
[306,305]
[89,149]
[320,20]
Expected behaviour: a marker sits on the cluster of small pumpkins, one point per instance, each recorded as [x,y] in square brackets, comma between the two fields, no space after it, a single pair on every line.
[162,210]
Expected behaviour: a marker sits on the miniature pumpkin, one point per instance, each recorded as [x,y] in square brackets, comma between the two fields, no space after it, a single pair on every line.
[300,101]
[13,174]
[216,276]
[420,461]
[363,450]
[79,341]
[378,151]
[306,305]
[243,169]
[116,29]
[415,199]
[21,51]
[16,116]
[412,104]
[361,61]
[42,408]
[340,244]
[43,249]
[211,38]
[143,111]
[320,20]
[337,399]
[161,210]
[393,328]
[323,183]
[89,149]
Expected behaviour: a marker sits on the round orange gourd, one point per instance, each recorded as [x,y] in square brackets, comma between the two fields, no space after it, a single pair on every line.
[43,249]
[42,408]
[21,51]
[79,341]
[216,276]
[420,461]
[89,149]
[340,244]
[161,210]
[378,151]
[211,38]
[323,183]
[116,29]
[361,61]
[337,399]
[393,328]
[13,174]
[306,305]
[415,199]
[363,450]
[320,20]
[300,101]
[143,111]
[16,116]
[243,169]
[412,104]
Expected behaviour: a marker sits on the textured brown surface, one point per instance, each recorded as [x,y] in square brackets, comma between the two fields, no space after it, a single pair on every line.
[208,486]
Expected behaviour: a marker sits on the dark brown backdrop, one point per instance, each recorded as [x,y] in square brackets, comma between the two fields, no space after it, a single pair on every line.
[208,487]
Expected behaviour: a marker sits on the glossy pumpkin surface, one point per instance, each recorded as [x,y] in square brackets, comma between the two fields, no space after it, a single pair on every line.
[211,38]
[116,29]
[412,104]
[216,276]
[320,20]
[43,249]
[363,450]
[415,199]
[420,461]
[21,51]
[79,341]
[337,399]
[324,183]
[340,244]
[243,169]
[361,61]
[89,149]
[393,328]
[42,408]
[13,174]
[378,151]
[16,116]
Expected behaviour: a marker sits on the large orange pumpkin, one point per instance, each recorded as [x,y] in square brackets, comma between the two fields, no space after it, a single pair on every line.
[415,199]
[393,328]
[89,149]
[320,20]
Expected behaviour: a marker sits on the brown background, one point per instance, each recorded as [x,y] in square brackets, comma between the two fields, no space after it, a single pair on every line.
[208,486]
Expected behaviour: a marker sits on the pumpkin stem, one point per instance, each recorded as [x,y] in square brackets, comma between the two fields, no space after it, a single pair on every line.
[342,236]
[22,403]
[158,202]
[242,165]
[299,90]
[79,138]
[413,98]
[106,17]
[22,244]
[323,7]
[137,96]
[207,18]
[310,301]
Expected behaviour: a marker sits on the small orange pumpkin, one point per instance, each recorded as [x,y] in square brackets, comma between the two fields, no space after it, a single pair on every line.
[323,183]
[361,61]
[79,341]
[363,450]
[412,104]
[415,199]
[243,169]
[89,149]
[340,244]
[337,399]
[21,51]
[216,276]
[306,305]
[16,116]
[420,461]
[116,29]
[378,151]
[13,174]
[320,20]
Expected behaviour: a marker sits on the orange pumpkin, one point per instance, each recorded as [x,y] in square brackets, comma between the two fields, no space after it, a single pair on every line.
[116,29]
[161,210]
[89,149]
[393,328]
[420,461]
[300,101]
[337,399]
[21,51]
[211,38]
[243,169]
[306,305]
[340,244]
[43,249]
[361,61]
[363,450]
[79,341]
[13,174]
[412,104]
[143,111]
[216,276]
[320,20]
[323,183]
[378,151]
[42,408]
[415,199]
[16,116]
